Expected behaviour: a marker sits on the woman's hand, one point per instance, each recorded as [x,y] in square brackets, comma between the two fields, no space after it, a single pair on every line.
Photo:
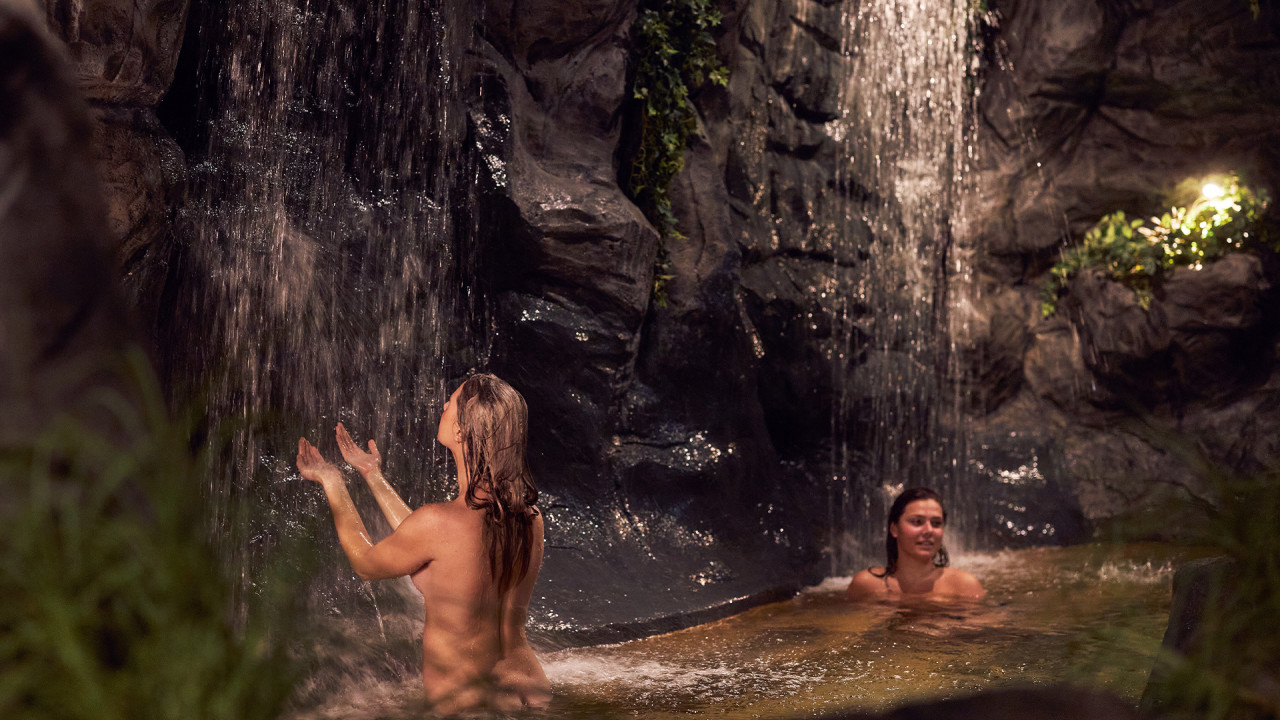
[363,462]
[313,466]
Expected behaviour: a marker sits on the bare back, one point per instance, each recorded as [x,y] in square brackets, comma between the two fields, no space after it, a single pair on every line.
[474,649]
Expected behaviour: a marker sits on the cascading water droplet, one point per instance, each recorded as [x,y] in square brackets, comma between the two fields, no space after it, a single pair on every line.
[329,217]
[904,128]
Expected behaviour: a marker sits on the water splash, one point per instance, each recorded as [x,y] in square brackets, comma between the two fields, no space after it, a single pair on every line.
[330,221]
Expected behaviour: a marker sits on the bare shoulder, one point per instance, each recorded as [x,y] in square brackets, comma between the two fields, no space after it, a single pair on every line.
[868,585]
[432,518]
[961,583]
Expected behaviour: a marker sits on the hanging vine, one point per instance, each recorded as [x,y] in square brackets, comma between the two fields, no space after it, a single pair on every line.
[675,53]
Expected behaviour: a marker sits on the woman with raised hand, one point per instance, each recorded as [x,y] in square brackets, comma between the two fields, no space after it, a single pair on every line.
[474,559]
[916,564]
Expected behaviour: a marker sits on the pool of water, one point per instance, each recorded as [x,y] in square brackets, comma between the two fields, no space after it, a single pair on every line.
[1091,615]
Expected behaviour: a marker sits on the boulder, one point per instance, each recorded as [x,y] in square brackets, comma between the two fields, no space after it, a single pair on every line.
[1212,599]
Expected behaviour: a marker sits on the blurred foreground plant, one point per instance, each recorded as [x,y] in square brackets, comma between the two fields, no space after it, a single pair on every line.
[1230,666]
[1222,659]
[114,605]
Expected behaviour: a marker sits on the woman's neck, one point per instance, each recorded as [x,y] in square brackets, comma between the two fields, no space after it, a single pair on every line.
[912,572]
[464,477]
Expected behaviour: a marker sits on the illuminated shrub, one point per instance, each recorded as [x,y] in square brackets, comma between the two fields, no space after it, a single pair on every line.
[1226,217]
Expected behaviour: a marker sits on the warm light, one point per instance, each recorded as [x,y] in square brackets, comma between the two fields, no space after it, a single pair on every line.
[1212,191]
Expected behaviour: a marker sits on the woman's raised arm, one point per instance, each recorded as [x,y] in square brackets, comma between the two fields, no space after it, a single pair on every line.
[369,465]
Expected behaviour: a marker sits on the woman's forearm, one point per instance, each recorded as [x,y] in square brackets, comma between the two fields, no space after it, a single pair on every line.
[352,534]
[394,508]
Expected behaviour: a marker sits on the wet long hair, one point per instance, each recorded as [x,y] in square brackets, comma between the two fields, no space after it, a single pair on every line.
[494,421]
[908,496]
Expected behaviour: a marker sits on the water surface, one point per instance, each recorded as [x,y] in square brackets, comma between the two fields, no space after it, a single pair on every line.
[1092,615]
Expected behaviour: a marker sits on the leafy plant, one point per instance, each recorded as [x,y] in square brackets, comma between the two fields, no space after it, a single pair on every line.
[115,606]
[1226,217]
[675,53]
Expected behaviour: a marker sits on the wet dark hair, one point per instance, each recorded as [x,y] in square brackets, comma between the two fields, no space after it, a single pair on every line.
[494,422]
[908,496]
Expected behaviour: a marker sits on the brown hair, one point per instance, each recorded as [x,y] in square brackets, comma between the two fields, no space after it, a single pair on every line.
[494,421]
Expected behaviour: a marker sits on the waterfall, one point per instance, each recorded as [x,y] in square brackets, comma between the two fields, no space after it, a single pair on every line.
[329,221]
[904,128]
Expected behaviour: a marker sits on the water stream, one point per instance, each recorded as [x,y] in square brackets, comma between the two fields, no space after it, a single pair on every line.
[330,226]
[905,127]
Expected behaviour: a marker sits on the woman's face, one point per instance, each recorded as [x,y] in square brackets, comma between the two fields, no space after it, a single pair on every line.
[450,434]
[919,530]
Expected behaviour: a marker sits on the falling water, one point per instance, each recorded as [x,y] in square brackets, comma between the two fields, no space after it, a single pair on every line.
[904,126]
[329,219]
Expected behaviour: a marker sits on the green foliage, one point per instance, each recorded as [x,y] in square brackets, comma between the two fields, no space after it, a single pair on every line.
[1226,217]
[114,606]
[675,53]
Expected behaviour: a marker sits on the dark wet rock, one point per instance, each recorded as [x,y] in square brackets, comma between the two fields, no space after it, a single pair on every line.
[1224,295]
[1219,326]
[1118,476]
[125,51]
[804,62]
[1194,584]
[658,467]
[1118,336]
[143,176]
[1055,370]
[1024,498]
[64,329]
[991,338]
[1207,598]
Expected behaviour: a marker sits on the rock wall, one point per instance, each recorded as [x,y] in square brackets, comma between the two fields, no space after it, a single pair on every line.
[1087,108]
[648,431]
[1083,108]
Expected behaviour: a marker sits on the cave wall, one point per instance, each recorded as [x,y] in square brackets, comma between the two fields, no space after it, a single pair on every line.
[1083,108]
[648,433]
[1087,108]
[124,54]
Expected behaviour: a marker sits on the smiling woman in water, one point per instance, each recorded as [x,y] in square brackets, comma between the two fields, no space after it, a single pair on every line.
[474,559]
[916,559]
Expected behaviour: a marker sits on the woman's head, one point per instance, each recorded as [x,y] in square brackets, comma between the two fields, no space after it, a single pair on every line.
[489,420]
[918,518]
[493,427]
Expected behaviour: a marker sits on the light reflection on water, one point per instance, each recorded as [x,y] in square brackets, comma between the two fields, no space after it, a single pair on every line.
[1091,615]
